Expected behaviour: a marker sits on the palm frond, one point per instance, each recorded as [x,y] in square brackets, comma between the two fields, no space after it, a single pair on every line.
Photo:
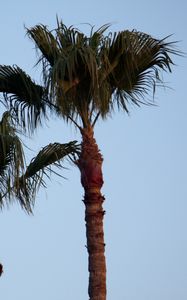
[50,155]
[11,162]
[45,41]
[133,64]
[26,99]
[96,37]
[72,71]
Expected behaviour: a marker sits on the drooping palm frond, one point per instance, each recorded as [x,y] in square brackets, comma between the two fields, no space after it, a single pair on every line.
[133,63]
[26,99]
[6,143]
[40,166]
[46,42]
[71,72]
[11,162]
[20,183]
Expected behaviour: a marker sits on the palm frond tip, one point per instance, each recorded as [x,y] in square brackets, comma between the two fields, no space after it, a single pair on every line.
[51,155]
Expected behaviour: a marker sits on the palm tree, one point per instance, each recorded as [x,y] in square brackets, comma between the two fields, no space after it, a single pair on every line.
[85,78]
[16,180]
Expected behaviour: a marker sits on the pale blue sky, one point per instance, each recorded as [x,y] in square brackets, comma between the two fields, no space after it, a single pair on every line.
[145,171]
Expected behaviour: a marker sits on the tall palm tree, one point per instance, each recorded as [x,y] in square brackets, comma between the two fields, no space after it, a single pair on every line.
[85,78]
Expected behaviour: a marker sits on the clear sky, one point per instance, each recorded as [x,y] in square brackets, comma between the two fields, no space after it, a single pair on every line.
[145,171]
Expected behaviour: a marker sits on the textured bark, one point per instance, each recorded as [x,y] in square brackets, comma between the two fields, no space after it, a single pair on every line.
[90,165]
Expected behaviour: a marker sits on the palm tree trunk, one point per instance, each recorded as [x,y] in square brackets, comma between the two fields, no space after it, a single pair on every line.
[90,165]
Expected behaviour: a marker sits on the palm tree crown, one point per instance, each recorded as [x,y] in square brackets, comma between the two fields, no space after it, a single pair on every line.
[86,76]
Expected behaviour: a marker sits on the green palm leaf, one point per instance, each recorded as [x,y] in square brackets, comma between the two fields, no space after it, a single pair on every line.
[50,155]
[132,65]
[24,97]
[45,41]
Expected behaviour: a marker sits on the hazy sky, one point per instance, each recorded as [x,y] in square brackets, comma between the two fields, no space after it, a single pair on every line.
[145,172]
